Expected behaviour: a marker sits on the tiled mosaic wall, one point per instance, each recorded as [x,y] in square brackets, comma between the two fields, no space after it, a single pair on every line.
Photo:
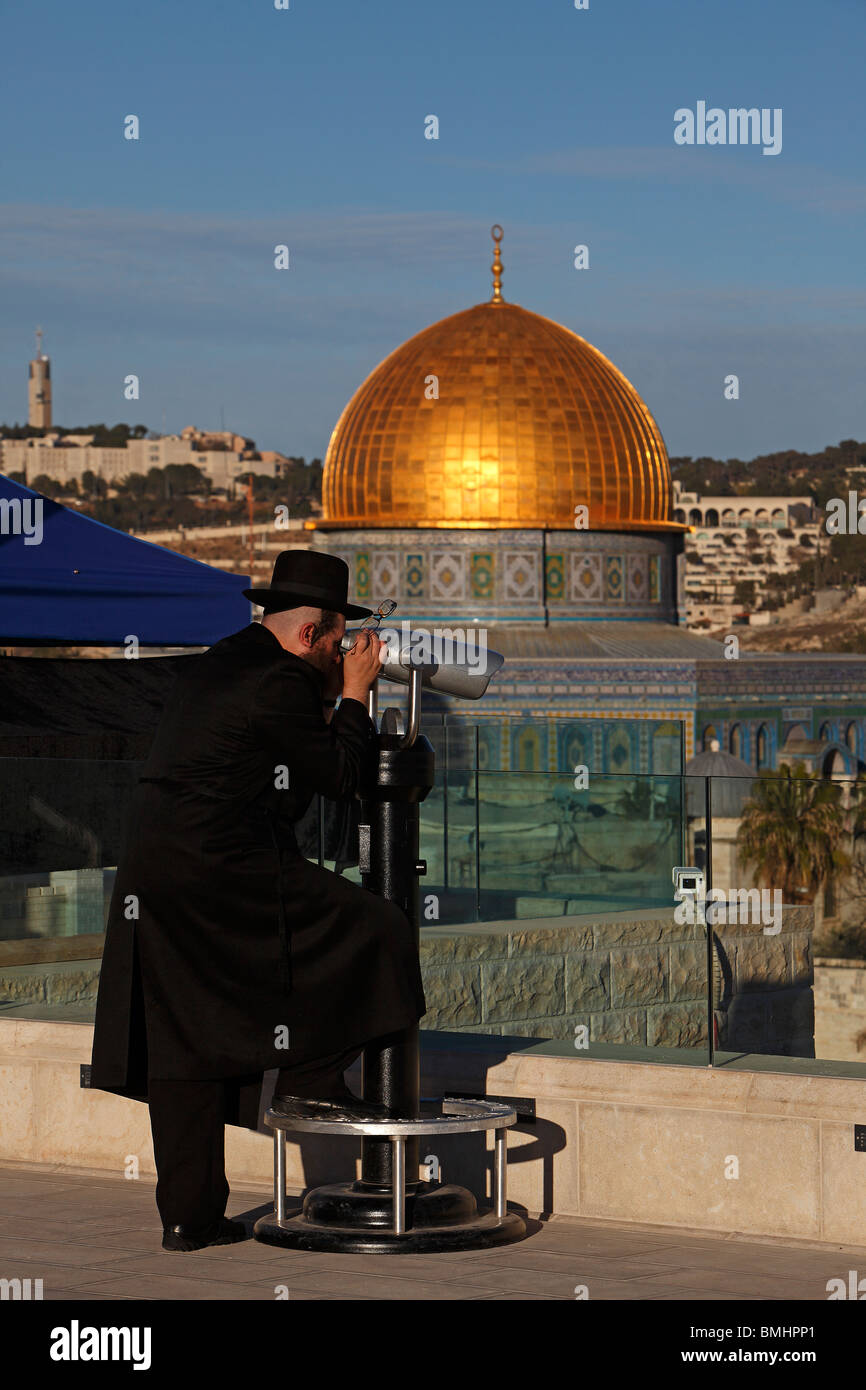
[511,573]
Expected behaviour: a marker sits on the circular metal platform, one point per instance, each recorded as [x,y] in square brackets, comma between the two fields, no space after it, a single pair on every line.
[456,1117]
[351,1217]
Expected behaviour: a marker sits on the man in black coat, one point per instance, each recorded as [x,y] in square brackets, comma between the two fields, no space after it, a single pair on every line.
[227,952]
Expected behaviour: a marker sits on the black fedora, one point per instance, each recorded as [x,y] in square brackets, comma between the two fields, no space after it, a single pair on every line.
[308,578]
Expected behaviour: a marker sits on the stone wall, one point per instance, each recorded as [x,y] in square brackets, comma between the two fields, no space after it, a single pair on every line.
[632,979]
[612,1140]
[840,1010]
[44,988]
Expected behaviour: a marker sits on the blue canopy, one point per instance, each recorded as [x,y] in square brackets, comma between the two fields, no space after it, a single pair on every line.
[65,578]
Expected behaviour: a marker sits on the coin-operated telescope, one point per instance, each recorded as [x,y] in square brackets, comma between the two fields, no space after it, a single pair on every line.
[460,665]
[391,1207]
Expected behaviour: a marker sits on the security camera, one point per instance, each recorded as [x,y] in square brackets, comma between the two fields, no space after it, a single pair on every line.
[688,882]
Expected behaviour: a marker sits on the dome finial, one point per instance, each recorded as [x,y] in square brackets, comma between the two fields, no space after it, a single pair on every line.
[497,266]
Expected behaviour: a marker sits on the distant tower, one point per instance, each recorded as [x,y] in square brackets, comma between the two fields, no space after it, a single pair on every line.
[40,388]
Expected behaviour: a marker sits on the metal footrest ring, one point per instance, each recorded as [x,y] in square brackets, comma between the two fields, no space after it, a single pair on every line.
[457,1117]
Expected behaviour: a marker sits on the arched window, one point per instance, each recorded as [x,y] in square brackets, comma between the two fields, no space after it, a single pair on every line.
[729,517]
[666,747]
[709,737]
[796,735]
[852,739]
[763,747]
[618,751]
[735,740]
[574,752]
[528,751]
[744,516]
[680,516]
[826,733]
[779,517]
[712,517]
[695,517]
[762,517]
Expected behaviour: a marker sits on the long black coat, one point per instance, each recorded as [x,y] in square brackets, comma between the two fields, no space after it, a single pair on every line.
[224,944]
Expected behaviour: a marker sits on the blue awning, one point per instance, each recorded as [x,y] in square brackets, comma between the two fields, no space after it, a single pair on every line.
[65,578]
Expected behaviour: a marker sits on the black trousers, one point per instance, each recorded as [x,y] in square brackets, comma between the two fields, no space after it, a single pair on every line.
[188,1119]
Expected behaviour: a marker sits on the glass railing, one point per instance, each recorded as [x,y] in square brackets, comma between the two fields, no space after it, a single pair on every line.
[505,742]
[783,857]
[548,905]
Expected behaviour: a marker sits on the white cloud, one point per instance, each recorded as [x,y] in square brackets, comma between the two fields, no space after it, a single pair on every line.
[809,186]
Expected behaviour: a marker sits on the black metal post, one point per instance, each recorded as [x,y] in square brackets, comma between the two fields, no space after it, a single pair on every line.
[391,1066]
[445,802]
[684,839]
[708,883]
[477,833]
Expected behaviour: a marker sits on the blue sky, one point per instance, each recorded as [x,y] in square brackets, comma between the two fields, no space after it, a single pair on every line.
[306,127]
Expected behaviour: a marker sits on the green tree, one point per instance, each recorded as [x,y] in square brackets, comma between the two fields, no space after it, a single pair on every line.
[793,830]
[133,485]
[157,483]
[44,484]
[183,478]
[744,592]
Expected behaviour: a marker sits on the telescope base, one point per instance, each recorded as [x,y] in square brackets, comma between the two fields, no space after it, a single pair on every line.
[347,1217]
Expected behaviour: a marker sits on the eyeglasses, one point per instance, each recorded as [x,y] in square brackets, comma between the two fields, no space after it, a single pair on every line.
[383,611]
[370,624]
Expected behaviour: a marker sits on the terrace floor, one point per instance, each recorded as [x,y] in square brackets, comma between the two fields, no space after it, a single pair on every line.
[96,1236]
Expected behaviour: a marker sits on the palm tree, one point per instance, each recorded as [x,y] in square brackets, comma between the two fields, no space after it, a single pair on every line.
[857,831]
[858,807]
[792,830]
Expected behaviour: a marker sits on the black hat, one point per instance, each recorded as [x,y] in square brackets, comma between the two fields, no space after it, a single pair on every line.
[308,578]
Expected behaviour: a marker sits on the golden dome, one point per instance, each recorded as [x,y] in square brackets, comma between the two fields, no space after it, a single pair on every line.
[530,421]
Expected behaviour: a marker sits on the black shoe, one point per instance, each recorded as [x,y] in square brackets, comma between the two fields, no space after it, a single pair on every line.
[222,1232]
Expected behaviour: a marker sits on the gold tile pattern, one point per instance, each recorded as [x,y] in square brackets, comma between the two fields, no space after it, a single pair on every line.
[530,421]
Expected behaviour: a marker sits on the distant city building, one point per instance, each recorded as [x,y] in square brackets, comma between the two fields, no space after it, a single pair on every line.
[218,439]
[221,454]
[694,509]
[39,388]
[65,457]
[721,554]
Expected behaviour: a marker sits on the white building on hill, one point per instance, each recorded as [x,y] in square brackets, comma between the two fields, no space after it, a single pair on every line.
[735,539]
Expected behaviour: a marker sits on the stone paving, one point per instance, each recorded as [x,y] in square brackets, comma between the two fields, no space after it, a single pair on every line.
[97,1237]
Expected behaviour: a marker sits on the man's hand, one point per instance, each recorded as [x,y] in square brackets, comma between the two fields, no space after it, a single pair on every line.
[362,665]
